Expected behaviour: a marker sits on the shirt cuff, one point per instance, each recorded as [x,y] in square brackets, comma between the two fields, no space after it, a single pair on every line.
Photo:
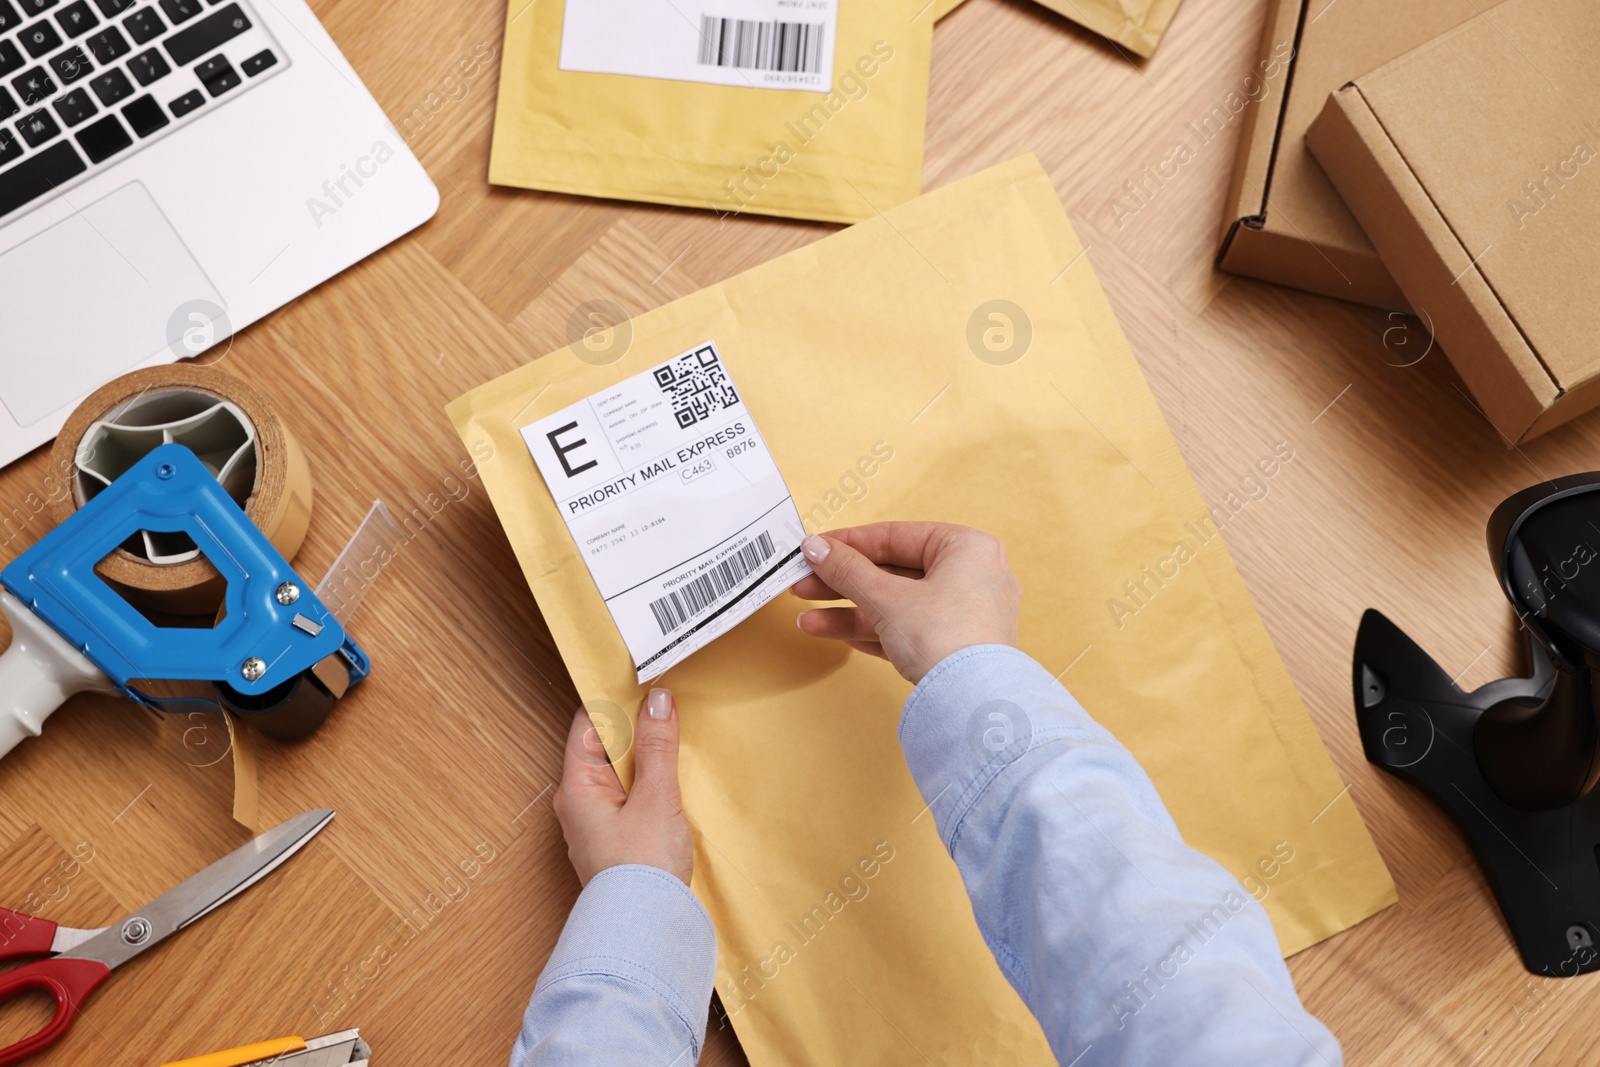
[641,924]
[977,712]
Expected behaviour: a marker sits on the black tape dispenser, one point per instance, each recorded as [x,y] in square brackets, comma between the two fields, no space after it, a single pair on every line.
[1515,762]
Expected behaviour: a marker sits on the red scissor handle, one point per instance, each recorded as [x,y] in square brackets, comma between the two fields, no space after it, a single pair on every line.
[24,935]
[67,981]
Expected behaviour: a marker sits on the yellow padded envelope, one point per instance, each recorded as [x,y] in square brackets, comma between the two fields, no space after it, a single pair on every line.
[952,360]
[1138,24]
[836,156]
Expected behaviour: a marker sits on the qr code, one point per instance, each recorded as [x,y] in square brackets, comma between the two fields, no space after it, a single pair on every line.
[697,385]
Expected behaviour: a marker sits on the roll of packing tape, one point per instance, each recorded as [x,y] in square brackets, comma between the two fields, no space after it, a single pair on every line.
[237,434]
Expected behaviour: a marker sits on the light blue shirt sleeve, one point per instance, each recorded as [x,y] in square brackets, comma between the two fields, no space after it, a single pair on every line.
[1127,945]
[629,983]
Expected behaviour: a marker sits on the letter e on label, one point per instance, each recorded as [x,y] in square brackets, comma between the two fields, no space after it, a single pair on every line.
[564,440]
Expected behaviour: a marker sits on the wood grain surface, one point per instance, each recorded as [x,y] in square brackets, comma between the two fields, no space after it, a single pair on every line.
[425,912]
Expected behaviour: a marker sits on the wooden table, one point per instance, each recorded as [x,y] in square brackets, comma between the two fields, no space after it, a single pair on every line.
[425,912]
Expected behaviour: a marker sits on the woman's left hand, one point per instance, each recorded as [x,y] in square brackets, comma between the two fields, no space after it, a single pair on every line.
[607,826]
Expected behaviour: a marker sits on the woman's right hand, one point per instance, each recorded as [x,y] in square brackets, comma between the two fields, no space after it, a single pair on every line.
[921,591]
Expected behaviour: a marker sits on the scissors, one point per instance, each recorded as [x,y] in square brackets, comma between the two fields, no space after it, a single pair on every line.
[79,960]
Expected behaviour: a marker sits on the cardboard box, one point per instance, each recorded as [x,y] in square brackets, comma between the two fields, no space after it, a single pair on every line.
[1284,223]
[1473,162]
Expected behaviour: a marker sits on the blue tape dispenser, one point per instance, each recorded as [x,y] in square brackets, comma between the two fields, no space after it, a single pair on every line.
[277,656]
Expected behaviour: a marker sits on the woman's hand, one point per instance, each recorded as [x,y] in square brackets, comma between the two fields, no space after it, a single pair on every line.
[922,590]
[606,826]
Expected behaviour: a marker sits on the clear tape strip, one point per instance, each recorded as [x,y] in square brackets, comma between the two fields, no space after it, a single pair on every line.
[353,574]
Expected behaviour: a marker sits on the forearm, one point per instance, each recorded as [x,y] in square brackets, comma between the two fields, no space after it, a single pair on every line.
[629,983]
[1128,946]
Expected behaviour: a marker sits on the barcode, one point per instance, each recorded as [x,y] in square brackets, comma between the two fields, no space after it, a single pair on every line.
[697,385]
[753,45]
[681,605]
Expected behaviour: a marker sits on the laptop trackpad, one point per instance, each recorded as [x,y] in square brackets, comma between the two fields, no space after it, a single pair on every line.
[92,297]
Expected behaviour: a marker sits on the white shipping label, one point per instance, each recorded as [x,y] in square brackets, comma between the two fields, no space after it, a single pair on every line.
[765,44]
[676,504]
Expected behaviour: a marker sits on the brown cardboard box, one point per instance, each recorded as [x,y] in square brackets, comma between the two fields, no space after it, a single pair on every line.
[1473,162]
[1284,222]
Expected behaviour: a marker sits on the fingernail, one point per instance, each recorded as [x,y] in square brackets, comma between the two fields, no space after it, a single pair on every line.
[816,548]
[800,620]
[658,705]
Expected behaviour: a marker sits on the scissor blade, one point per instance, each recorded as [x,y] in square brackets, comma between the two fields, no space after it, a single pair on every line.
[244,867]
[205,892]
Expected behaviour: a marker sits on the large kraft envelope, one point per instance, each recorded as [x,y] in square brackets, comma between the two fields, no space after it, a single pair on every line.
[838,156]
[867,345]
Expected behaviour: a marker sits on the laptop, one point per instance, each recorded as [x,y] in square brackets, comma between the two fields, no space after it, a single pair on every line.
[170,172]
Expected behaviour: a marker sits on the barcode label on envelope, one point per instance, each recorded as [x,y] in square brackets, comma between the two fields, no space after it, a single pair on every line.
[704,590]
[789,47]
[675,504]
[762,44]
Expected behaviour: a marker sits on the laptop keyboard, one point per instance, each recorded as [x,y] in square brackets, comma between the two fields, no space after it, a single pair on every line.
[85,83]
